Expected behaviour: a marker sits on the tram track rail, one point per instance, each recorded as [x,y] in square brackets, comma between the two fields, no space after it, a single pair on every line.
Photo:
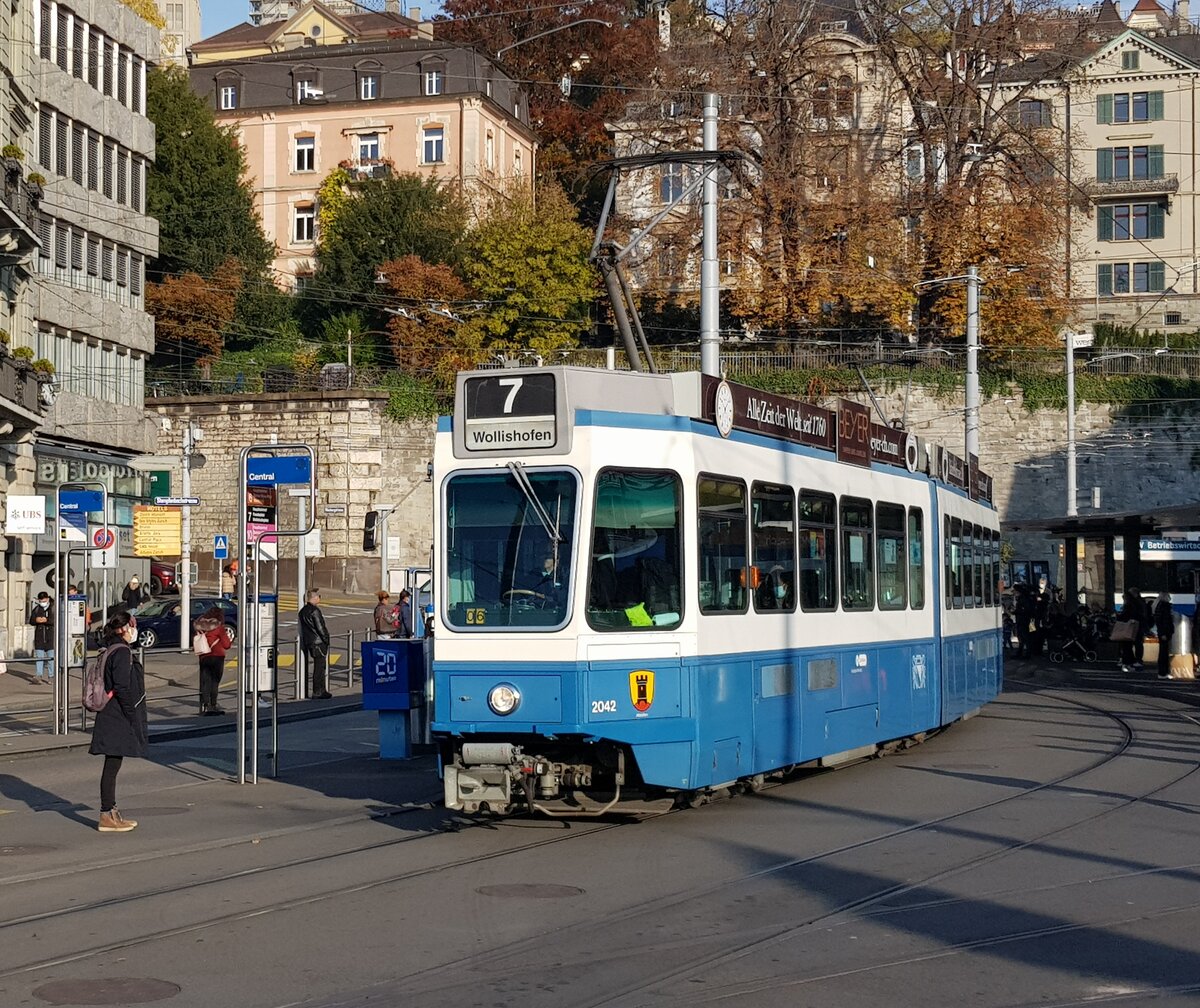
[439,973]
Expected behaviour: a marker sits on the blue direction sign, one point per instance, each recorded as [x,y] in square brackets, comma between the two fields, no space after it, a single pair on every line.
[221,547]
[80,501]
[278,470]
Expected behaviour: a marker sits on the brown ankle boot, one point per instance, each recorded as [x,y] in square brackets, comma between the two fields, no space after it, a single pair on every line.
[111,822]
[127,822]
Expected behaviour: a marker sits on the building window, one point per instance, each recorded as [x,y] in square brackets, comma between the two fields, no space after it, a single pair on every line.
[670,182]
[1172,318]
[1131,60]
[175,17]
[124,61]
[306,88]
[95,58]
[62,40]
[60,146]
[77,137]
[1130,221]
[368,87]
[1133,106]
[93,162]
[306,153]
[77,49]
[435,145]
[45,137]
[368,147]
[843,99]
[489,151]
[517,164]
[1033,113]
[1124,163]
[435,82]
[228,97]
[45,49]
[1126,278]
[304,223]
[110,155]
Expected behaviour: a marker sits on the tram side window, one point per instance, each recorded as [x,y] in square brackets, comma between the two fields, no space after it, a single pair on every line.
[723,571]
[635,574]
[916,559]
[773,541]
[989,581]
[889,526]
[982,563]
[818,551]
[858,580]
[948,564]
[956,562]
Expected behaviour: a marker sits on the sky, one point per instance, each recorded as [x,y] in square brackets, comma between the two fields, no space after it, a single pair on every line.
[218,15]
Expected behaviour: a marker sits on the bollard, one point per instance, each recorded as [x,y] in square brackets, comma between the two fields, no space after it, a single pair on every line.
[349,658]
[299,670]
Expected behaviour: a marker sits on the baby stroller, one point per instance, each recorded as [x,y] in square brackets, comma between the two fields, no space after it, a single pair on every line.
[1079,644]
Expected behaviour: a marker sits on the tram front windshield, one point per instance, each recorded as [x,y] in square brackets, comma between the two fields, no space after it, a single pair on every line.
[508,548]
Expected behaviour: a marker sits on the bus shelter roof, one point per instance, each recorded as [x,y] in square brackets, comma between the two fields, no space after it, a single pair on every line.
[1170,518]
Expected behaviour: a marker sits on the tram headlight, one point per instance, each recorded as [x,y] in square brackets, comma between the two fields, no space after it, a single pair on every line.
[504,699]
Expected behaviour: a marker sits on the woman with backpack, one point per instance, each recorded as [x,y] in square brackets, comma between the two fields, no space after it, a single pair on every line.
[120,728]
[210,643]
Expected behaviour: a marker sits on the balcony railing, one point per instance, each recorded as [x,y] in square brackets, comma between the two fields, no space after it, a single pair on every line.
[1107,188]
[362,171]
[19,387]
[19,210]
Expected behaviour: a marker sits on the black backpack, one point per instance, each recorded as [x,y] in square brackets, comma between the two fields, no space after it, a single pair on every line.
[95,696]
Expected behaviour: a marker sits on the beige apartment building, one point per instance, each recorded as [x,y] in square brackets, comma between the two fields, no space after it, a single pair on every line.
[366,93]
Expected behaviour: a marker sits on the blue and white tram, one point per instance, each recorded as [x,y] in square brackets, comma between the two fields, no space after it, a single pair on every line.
[657,586]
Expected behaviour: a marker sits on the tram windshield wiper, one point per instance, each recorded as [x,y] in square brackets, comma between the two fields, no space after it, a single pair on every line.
[522,481]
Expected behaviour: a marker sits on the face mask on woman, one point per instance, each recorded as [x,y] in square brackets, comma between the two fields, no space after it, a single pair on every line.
[781,592]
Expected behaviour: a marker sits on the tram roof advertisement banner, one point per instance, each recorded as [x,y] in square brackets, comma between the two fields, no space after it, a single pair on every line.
[854,433]
[764,413]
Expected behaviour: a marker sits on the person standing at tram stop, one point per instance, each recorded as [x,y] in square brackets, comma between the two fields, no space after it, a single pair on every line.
[120,728]
[210,644]
[1164,626]
[229,575]
[1023,615]
[1140,611]
[1132,611]
[41,618]
[133,595]
[402,613]
[314,640]
[385,617]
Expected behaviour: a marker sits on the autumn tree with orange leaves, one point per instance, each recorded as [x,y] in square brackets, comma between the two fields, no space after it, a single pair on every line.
[191,312]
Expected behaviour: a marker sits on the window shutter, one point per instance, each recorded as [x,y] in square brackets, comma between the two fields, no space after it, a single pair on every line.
[45,135]
[1156,104]
[1104,164]
[1156,221]
[1158,276]
[1104,223]
[1104,279]
[1154,161]
[1104,108]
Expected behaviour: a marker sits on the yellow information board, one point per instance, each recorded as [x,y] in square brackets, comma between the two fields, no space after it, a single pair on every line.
[157,531]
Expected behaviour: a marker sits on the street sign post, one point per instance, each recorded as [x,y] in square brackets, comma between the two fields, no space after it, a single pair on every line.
[160,482]
[221,547]
[157,531]
[177,501]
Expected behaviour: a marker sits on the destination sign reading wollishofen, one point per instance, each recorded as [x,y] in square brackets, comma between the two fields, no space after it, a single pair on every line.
[510,411]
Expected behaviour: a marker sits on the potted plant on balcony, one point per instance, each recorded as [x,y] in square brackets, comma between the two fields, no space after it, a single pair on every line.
[37,185]
[4,341]
[23,356]
[43,370]
[12,156]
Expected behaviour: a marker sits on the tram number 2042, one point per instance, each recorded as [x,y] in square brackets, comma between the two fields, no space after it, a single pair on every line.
[604,706]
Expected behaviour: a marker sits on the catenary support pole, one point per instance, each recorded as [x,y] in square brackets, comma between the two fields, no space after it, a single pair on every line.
[972,389]
[710,280]
[1072,490]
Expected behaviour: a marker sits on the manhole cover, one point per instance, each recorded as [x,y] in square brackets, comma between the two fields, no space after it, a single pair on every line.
[106,991]
[20,850]
[533,891]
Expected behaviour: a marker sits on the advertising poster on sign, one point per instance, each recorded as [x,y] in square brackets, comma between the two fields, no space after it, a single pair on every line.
[260,518]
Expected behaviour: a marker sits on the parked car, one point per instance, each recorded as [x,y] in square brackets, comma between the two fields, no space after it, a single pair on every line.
[158,621]
[162,577]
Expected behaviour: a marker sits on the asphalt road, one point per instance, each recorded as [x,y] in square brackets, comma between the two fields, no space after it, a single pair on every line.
[1042,853]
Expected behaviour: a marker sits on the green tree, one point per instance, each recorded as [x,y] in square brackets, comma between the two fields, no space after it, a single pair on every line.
[197,187]
[528,266]
[382,220]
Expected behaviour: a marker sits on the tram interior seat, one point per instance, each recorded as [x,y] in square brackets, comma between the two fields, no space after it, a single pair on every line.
[623,585]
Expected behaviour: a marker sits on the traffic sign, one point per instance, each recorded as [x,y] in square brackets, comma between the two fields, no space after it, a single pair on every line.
[103,538]
[72,526]
[160,481]
[176,501]
[103,559]
[278,469]
[335,509]
[221,547]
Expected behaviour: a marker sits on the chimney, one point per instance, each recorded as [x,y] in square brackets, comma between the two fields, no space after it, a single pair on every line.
[1182,14]
[414,14]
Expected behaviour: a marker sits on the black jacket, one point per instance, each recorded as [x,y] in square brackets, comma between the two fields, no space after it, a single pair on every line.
[120,729]
[1164,619]
[43,633]
[314,634]
[131,598]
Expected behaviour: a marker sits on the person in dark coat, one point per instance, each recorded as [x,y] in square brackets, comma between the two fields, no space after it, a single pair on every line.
[211,625]
[404,624]
[41,618]
[1164,626]
[1145,625]
[314,639]
[120,729]
[384,617]
[133,595]
[1023,614]
[1131,612]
